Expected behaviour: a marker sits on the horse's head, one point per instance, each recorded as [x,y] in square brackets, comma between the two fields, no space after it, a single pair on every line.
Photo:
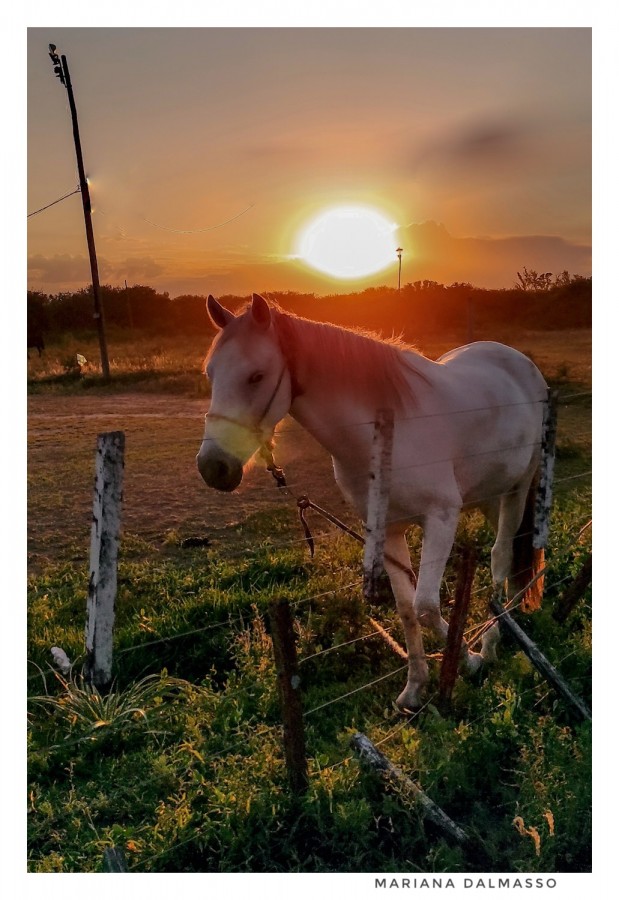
[251,391]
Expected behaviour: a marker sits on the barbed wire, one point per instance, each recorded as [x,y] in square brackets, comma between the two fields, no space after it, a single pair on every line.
[267,544]
[401,726]
[355,691]
[332,701]
[242,743]
[293,428]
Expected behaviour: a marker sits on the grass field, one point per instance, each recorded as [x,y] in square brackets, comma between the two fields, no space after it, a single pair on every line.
[182,764]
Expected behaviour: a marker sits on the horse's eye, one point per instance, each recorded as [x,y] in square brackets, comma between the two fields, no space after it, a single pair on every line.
[255,378]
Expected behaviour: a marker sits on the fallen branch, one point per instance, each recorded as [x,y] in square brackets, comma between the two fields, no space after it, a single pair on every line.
[393,776]
[538,659]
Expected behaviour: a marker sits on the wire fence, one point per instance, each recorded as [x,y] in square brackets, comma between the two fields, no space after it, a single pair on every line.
[286,494]
[234,621]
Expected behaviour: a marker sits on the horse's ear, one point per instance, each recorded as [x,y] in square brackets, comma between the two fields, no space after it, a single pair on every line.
[261,312]
[220,316]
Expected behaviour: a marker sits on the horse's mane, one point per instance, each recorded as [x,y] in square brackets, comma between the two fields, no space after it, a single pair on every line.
[376,368]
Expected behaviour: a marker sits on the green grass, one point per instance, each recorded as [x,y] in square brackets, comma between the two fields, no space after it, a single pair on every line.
[182,764]
[138,362]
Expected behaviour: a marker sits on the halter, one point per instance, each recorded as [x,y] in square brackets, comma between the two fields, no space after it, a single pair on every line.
[266,443]
[257,428]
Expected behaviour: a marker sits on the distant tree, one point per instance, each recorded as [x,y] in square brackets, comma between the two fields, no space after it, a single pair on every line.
[37,319]
[530,280]
[563,278]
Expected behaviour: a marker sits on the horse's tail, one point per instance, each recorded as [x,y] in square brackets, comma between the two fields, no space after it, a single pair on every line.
[528,561]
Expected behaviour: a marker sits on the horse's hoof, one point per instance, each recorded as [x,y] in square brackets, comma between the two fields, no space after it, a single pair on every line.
[489,644]
[409,701]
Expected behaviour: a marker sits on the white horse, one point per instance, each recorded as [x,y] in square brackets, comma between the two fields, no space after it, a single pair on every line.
[467,434]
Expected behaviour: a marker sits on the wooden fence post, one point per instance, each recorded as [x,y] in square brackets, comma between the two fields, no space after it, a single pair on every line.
[104,542]
[289,683]
[543,499]
[574,591]
[457,621]
[378,501]
[538,659]
[114,860]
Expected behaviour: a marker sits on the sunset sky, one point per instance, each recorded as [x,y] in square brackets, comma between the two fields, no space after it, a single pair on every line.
[209,149]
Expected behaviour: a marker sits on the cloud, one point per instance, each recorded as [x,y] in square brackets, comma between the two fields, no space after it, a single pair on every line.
[58,270]
[64,271]
[138,267]
[493,145]
[430,251]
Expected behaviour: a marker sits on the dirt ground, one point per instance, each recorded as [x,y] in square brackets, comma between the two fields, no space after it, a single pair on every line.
[163,492]
[164,496]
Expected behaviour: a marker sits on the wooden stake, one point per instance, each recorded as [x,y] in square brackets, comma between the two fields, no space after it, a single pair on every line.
[457,622]
[104,542]
[543,499]
[378,501]
[574,591]
[289,683]
[114,860]
[538,659]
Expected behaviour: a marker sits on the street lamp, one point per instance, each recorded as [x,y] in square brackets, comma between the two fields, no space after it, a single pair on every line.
[399,252]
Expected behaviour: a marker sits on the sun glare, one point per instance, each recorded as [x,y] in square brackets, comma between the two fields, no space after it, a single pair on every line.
[348,242]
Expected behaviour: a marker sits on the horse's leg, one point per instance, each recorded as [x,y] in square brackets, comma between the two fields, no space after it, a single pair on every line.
[439,530]
[510,512]
[510,516]
[404,593]
[492,511]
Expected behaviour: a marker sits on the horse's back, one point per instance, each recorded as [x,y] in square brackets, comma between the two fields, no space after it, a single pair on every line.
[476,425]
[496,370]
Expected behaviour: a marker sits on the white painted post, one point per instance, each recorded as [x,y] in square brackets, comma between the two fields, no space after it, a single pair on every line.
[104,542]
[378,501]
[543,499]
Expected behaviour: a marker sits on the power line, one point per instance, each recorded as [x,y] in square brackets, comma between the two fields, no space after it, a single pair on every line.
[60,199]
[198,230]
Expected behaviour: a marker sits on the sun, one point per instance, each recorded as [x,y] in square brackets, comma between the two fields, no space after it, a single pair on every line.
[348,242]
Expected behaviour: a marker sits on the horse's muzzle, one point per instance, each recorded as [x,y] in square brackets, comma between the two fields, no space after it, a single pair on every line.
[220,470]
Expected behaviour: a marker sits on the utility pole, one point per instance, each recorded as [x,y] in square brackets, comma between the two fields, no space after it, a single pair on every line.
[61,70]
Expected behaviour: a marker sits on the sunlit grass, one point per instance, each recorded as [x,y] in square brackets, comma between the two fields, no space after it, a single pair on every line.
[182,764]
[162,362]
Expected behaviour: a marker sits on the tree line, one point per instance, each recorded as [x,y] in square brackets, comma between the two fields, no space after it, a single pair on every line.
[421,307]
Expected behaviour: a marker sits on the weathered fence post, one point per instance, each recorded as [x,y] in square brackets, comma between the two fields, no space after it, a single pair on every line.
[104,542]
[574,591]
[114,860]
[543,499]
[378,500]
[457,621]
[289,683]
[538,659]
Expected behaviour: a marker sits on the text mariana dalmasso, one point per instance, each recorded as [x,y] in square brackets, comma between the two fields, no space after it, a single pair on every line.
[475,883]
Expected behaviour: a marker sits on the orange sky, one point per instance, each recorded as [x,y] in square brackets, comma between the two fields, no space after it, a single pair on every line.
[476,142]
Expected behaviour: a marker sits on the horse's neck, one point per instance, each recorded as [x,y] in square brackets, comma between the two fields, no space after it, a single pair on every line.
[332,419]
[339,417]
[332,403]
